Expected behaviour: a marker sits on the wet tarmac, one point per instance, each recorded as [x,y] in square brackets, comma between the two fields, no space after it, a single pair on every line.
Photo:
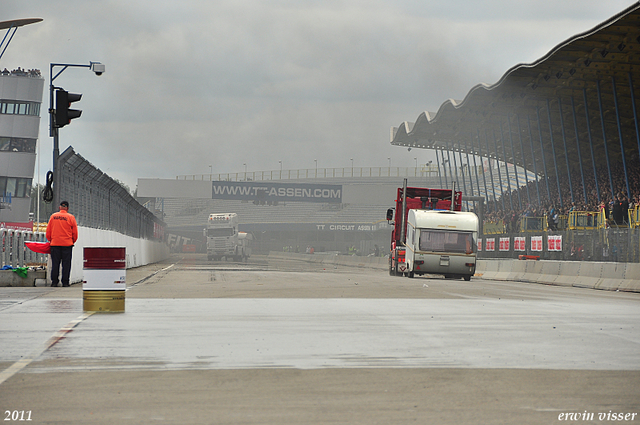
[191,315]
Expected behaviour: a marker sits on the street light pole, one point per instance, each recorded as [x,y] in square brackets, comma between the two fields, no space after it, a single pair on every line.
[96,67]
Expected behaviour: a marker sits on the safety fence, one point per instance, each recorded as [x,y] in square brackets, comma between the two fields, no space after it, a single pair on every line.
[97,201]
[100,202]
[15,253]
[609,244]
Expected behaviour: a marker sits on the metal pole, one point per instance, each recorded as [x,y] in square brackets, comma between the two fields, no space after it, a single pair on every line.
[495,143]
[484,177]
[475,165]
[524,162]
[469,169]
[402,214]
[449,162]
[533,157]
[439,173]
[553,153]
[566,154]
[455,167]
[515,166]
[506,166]
[604,139]
[544,162]
[493,184]
[53,132]
[575,127]
[635,112]
[593,157]
[624,162]
[444,168]
[464,184]
[15,29]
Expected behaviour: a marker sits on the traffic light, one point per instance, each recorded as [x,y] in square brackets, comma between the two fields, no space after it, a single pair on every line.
[64,115]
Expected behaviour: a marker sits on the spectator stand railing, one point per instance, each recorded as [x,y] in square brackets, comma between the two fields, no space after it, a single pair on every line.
[634,217]
[494,227]
[583,220]
[533,224]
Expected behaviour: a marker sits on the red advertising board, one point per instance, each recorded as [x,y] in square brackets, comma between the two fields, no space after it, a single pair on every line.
[554,243]
[490,244]
[519,243]
[536,243]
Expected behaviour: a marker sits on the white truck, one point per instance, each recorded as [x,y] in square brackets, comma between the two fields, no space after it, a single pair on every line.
[224,239]
[441,242]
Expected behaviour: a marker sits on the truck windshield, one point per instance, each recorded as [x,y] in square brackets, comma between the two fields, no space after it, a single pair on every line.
[217,233]
[446,241]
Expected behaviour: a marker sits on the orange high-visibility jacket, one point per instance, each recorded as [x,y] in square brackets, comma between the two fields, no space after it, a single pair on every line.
[62,229]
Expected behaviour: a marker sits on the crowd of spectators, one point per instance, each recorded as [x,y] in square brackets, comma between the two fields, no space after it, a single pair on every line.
[523,202]
[23,72]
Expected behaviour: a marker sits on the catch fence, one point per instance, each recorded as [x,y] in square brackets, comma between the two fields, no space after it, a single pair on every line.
[100,202]
[96,200]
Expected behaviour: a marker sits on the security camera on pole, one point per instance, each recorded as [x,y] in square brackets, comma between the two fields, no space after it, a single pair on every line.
[59,117]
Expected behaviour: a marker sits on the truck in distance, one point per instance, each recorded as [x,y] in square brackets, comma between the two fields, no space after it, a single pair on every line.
[224,239]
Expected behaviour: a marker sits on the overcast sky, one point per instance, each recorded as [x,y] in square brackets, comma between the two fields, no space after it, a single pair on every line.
[191,84]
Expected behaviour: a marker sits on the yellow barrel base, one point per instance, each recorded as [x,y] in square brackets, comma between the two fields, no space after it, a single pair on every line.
[103,301]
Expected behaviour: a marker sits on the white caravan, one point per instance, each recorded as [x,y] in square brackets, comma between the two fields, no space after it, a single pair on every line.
[441,242]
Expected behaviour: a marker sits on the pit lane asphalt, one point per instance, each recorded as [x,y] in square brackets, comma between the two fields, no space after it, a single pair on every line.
[296,343]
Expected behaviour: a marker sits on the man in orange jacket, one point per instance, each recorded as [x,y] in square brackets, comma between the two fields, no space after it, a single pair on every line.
[62,233]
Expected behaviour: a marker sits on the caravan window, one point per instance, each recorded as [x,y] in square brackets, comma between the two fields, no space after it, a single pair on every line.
[446,241]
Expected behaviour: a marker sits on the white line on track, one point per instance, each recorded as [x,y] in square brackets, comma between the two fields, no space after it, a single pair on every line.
[57,336]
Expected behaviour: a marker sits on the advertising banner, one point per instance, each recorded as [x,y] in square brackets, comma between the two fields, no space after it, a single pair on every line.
[504,244]
[519,243]
[536,243]
[479,244]
[554,243]
[267,192]
[490,244]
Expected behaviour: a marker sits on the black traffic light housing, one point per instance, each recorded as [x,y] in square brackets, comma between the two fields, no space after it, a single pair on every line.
[64,115]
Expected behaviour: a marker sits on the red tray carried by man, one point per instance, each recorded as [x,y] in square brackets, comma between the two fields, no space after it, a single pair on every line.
[40,247]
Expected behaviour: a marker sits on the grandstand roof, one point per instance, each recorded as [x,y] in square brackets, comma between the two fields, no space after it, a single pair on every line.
[592,73]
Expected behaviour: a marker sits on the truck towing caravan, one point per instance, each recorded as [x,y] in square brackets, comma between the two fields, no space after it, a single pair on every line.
[431,235]
[224,239]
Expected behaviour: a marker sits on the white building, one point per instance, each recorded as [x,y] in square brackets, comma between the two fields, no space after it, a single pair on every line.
[20,104]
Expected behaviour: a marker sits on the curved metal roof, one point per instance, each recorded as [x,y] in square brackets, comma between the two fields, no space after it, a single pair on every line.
[595,74]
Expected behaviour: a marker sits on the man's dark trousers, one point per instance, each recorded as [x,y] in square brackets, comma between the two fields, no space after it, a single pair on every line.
[61,254]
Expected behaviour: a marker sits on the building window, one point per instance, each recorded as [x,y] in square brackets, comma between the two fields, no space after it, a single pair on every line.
[16,187]
[19,107]
[17,144]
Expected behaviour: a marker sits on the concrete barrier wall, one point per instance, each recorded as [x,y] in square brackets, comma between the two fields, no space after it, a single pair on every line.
[138,251]
[580,274]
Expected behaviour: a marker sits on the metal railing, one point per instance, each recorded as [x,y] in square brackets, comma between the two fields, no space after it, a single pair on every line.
[634,217]
[582,220]
[533,224]
[15,253]
[317,173]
